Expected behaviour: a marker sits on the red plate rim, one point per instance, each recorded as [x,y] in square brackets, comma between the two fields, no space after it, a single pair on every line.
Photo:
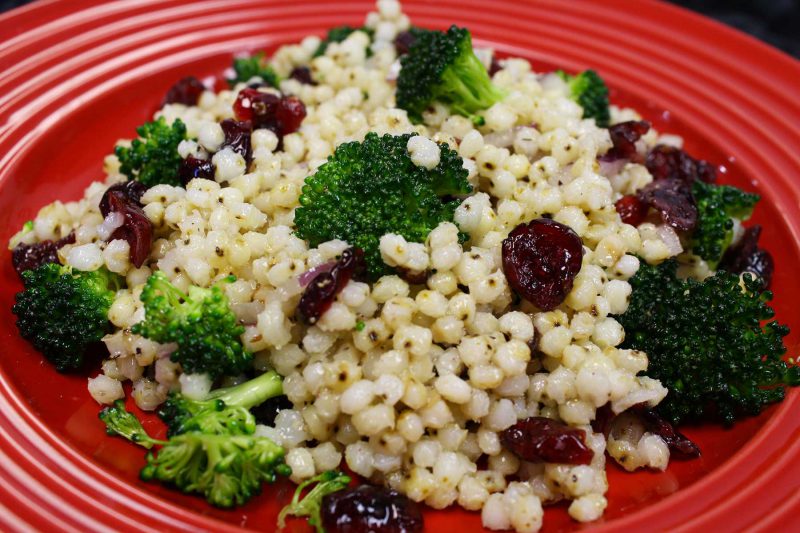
[707,74]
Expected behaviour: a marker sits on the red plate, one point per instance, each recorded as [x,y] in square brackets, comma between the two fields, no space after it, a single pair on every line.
[78,75]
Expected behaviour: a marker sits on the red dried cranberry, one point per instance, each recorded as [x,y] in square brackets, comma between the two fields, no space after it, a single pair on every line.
[279,114]
[290,114]
[192,168]
[672,198]
[624,137]
[538,439]
[131,191]
[540,260]
[29,256]
[251,104]
[668,162]
[403,42]
[370,509]
[494,66]
[303,75]
[414,278]
[631,210]
[237,137]
[186,91]
[136,228]
[746,256]
[320,293]
[679,444]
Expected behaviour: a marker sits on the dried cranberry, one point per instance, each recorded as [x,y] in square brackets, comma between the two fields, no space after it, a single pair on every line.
[540,260]
[290,114]
[320,293]
[30,256]
[672,198]
[279,114]
[679,444]
[192,168]
[403,42]
[494,66]
[303,75]
[631,210]
[370,509]
[413,278]
[136,228]
[668,162]
[539,439]
[746,256]
[624,137]
[237,137]
[186,91]
[131,191]
[267,411]
[251,103]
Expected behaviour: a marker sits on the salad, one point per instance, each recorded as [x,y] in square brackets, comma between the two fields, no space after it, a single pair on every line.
[401,271]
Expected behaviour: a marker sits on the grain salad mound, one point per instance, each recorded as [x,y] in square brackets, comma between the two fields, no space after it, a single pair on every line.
[408,383]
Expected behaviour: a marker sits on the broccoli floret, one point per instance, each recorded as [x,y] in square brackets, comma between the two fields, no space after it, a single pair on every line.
[339,34]
[227,469]
[249,67]
[590,92]
[441,66]
[224,410]
[153,158]
[717,207]
[200,322]
[311,504]
[121,422]
[61,311]
[368,189]
[706,343]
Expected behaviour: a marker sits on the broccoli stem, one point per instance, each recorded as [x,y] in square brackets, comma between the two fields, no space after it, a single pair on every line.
[250,393]
[468,88]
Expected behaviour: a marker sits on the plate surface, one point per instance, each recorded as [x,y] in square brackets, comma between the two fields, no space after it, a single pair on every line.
[78,75]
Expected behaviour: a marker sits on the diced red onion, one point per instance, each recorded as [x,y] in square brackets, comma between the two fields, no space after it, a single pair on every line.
[306,277]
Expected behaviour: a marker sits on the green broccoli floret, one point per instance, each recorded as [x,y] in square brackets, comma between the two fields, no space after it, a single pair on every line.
[311,504]
[61,311]
[339,34]
[590,92]
[227,469]
[717,207]
[153,158]
[224,410]
[121,422]
[706,343]
[368,189]
[249,67]
[441,66]
[201,322]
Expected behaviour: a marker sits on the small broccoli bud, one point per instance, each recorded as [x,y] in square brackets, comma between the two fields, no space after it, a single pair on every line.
[717,207]
[123,423]
[153,158]
[310,505]
[441,66]
[254,66]
[590,92]
[200,322]
[369,189]
[713,343]
[62,312]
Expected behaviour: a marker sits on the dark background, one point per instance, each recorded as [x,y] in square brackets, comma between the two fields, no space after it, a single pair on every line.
[774,21]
